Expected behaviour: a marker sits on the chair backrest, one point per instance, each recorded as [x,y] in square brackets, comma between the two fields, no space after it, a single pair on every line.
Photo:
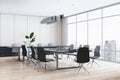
[87,46]
[97,51]
[39,44]
[49,44]
[80,46]
[41,54]
[33,52]
[71,47]
[24,51]
[15,48]
[83,55]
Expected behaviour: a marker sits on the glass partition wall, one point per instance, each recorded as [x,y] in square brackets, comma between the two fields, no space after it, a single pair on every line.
[97,27]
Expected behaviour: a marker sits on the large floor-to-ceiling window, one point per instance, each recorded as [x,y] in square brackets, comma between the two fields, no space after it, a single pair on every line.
[71,36]
[97,27]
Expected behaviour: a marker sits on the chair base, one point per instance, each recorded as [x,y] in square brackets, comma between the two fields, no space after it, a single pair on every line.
[93,62]
[80,67]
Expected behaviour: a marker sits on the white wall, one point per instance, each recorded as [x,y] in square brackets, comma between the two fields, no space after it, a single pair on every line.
[20,29]
[50,33]
[13,29]
[7,29]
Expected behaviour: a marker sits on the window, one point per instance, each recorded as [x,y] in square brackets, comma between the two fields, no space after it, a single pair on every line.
[113,10]
[111,30]
[81,17]
[95,29]
[71,34]
[94,33]
[81,33]
[71,19]
[95,14]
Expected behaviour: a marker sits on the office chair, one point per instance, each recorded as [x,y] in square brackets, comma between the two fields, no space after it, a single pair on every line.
[49,44]
[48,52]
[87,46]
[15,49]
[70,52]
[41,56]
[39,44]
[82,57]
[96,54]
[24,52]
[80,46]
[33,53]
[33,58]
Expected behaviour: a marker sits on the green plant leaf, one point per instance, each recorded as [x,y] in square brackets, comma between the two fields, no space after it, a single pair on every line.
[26,37]
[32,40]
[31,35]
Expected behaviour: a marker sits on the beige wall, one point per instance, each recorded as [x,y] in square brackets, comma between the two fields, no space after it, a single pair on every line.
[64,31]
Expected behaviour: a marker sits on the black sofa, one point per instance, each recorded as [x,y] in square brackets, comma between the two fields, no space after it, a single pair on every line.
[6,51]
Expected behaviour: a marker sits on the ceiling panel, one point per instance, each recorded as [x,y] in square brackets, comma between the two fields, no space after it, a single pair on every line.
[51,7]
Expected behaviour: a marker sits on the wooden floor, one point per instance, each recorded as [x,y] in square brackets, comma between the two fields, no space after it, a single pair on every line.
[11,69]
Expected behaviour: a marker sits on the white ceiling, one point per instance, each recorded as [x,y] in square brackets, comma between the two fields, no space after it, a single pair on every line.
[51,7]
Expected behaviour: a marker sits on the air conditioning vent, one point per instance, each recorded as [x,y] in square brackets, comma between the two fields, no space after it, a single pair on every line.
[60,17]
[49,20]
[52,19]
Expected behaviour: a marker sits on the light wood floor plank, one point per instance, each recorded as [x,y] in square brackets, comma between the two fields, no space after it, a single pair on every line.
[11,69]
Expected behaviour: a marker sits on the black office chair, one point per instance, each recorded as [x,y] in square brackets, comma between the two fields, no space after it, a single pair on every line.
[32,59]
[41,56]
[70,52]
[82,57]
[96,54]
[24,52]
[33,53]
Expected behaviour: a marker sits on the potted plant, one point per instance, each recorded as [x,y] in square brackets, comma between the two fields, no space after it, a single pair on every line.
[30,38]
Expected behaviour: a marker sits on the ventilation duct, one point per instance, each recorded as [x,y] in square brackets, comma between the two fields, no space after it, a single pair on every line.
[52,19]
[49,20]
[60,17]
